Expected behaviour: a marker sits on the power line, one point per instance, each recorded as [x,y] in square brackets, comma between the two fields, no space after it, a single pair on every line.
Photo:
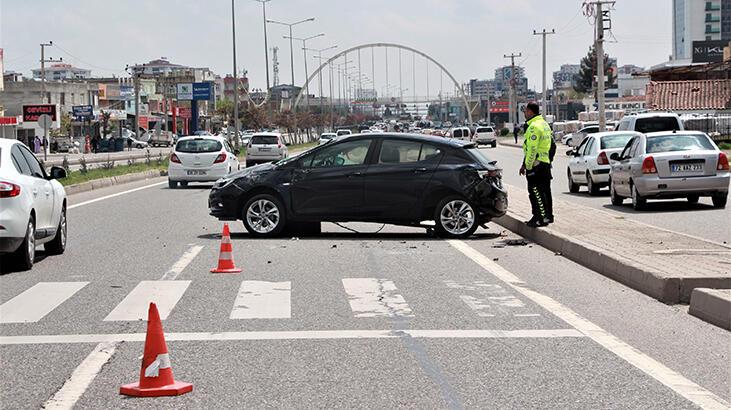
[86,62]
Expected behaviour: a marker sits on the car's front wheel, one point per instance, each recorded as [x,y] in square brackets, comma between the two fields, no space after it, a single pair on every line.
[455,218]
[57,245]
[25,255]
[264,216]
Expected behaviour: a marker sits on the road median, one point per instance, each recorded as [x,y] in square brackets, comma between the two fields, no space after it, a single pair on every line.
[662,264]
[114,180]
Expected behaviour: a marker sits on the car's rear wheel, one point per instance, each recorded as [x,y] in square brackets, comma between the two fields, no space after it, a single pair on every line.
[172,184]
[24,256]
[693,199]
[593,188]
[573,187]
[638,202]
[264,216]
[494,144]
[455,218]
[613,196]
[719,201]
[57,245]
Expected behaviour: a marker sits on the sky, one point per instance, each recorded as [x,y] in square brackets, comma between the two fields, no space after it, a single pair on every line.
[468,37]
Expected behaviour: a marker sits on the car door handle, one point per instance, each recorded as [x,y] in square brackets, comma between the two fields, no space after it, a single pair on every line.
[419,170]
[355,174]
[48,193]
[35,191]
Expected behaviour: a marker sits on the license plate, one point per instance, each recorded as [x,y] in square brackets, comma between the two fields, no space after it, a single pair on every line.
[694,167]
[265,149]
[196,172]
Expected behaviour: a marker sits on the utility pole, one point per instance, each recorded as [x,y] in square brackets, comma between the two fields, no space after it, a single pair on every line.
[236,78]
[43,70]
[600,16]
[136,71]
[513,98]
[545,99]
[266,46]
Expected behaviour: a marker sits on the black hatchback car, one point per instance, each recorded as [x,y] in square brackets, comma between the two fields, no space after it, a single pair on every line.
[398,179]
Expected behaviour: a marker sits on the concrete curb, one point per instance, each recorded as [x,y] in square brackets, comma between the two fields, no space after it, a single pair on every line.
[712,306]
[667,289]
[110,181]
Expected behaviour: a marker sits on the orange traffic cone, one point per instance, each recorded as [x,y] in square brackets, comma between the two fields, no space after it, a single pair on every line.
[156,375]
[225,258]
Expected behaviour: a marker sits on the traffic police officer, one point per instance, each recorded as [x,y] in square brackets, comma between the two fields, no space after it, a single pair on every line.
[537,166]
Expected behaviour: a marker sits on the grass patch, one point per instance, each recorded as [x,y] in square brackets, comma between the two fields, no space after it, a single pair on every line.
[76,177]
[725,146]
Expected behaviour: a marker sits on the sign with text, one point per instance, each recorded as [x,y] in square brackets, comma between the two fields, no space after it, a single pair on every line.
[500,106]
[708,51]
[82,111]
[201,91]
[8,120]
[32,112]
[144,122]
[184,112]
[185,91]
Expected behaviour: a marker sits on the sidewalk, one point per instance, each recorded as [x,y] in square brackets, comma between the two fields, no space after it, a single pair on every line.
[660,263]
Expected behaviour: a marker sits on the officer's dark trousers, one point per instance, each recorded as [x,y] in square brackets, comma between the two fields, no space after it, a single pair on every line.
[539,191]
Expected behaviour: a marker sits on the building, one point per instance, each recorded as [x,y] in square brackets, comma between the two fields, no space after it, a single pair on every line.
[228,87]
[564,77]
[699,88]
[484,89]
[630,85]
[62,72]
[629,69]
[699,20]
[162,67]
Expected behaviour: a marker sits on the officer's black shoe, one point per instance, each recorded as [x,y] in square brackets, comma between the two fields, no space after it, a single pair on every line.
[548,220]
[535,223]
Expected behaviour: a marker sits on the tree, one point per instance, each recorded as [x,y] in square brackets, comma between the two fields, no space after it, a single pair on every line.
[65,129]
[584,81]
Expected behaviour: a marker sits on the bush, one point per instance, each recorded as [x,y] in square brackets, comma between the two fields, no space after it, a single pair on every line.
[504,132]
[725,145]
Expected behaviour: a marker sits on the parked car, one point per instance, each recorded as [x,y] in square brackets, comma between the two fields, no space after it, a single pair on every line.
[590,163]
[325,137]
[135,143]
[459,133]
[679,164]
[485,135]
[265,147]
[567,138]
[343,132]
[578,137]
[246,136]
[203,158]
[32,206]
[163,139]
[401,179]
[651,122]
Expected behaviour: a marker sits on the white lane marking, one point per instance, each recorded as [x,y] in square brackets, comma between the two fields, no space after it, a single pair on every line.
[298,335]
[487,299]
[480,306]
[165,294]
[372,297]
[81,378]
[182,263]
[38,301]
[91,201]
[263,300]
[670,378]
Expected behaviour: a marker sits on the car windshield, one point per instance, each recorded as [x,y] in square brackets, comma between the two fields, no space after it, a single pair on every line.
[679,142]
[615,141]
[264,140]
[198,145]
[655,124]
[481,158]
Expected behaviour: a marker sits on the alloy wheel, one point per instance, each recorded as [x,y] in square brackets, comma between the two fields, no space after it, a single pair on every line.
[263,216]
[457,217]
[31,241]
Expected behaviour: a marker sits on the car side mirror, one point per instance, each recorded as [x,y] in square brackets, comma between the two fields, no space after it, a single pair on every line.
[571,152]
[615,156]
[287,144]
[237,151]
[57,173]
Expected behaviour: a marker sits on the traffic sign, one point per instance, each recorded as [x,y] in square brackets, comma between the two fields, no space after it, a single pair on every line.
[202,91]
[82,111]
[44,121]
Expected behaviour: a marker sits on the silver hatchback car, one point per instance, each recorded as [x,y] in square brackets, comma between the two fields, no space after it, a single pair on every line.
[675,164]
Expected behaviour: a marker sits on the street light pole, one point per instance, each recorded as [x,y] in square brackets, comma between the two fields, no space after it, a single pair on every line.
[307,74]
[544,33]
[291,47]
[236,78]
[266,45]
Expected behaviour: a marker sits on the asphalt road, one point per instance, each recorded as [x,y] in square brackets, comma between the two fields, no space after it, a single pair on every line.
[394,319]
[701,219]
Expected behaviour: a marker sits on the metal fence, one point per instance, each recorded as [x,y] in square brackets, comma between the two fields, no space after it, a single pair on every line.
[715,125]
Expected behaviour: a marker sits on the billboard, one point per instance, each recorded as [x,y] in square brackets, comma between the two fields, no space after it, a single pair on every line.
[202,91]
[708,51]
[32,112]
[185,91]
[82,111]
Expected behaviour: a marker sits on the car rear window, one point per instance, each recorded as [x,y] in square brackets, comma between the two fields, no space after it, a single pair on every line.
[679,142]
[264,140]
[483,129]
[481,158]
[327,136]
[654,124]
[198,145]
[615,141]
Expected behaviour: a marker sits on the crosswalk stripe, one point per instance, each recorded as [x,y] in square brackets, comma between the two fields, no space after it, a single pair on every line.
[165,293]
[38,301]
[372,297]
[263,300]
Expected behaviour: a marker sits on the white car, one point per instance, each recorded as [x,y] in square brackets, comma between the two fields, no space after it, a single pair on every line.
[266,147]
[343,132]
[325,137]
[135,143]
[204,158]
[460,133]
[566,139]
[590,164]
[485,135]
[32,206]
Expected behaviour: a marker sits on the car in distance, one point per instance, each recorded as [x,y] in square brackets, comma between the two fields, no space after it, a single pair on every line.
[204,158]
[590,163]
[651,122]
[578,137]
[459,133]
[32,206]
[325,137]
[265,147]
[394,178]
[678,164]
[485,135]
[342,132]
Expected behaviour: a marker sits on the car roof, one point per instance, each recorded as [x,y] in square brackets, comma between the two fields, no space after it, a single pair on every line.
[267,134]
[665,133]
[205,137]
[611,133]
[652,114]
[408,136]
